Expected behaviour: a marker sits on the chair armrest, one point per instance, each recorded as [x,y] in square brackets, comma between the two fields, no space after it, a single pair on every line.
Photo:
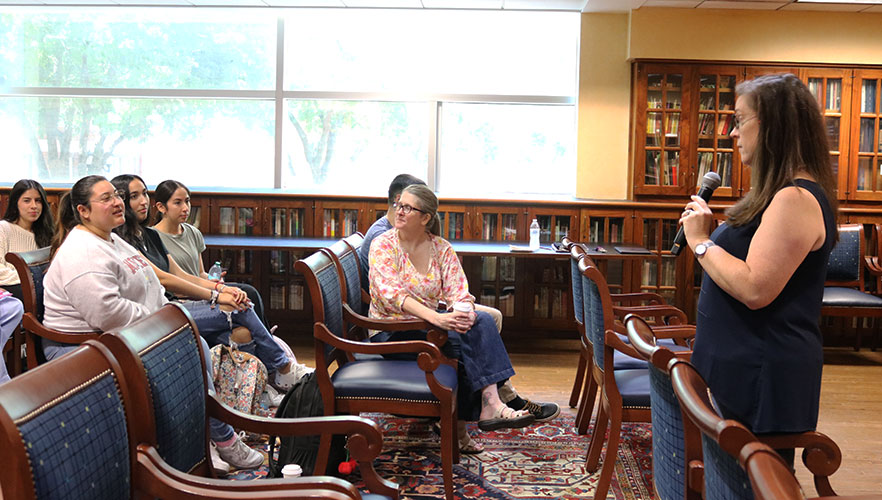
[30,323]
[612,340]
[154,476]
[638,298]
[873,265]
[429,357]
[821,455]
[365,441]
[435,335]
[662,313]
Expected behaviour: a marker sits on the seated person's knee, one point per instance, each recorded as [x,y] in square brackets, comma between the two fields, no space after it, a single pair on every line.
[240,335]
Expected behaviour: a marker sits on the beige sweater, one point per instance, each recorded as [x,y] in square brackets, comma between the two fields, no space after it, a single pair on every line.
[13,238]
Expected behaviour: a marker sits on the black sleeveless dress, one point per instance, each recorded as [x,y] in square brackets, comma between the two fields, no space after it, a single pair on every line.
[764,366]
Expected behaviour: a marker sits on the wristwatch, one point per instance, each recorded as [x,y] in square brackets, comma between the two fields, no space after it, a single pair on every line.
[701,248]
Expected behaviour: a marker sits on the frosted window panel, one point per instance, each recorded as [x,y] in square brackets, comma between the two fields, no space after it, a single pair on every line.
[202,143]
[432,51]
[504,149]
[150,48]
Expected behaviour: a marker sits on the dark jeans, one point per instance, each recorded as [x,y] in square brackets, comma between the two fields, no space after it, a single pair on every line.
[482,357]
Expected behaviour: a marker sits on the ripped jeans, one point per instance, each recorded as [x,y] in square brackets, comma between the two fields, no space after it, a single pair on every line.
[215,326]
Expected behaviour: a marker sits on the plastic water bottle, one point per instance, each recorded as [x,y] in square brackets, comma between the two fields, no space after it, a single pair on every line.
[215,272]
[534,235]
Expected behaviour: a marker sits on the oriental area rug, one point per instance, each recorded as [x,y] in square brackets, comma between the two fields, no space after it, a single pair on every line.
[540,461]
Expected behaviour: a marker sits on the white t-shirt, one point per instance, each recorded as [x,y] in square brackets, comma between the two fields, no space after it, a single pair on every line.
[99,285]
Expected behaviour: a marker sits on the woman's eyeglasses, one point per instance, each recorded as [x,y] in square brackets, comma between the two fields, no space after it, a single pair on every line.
[109,197]
[739,122]
[406,209]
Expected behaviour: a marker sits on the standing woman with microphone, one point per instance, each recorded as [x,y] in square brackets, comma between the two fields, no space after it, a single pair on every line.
[758,344]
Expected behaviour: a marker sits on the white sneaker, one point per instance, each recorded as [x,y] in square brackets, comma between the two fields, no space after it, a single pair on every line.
[240,455]
[285,381]
[271,397]
[217,463]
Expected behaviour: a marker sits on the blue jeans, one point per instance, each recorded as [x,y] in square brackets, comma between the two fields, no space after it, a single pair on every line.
[482,357]
[10,316]
[215,326]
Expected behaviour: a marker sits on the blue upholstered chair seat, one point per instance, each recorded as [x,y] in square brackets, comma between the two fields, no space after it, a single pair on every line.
[837,296]
[622,361]
[388,379]
[633,386]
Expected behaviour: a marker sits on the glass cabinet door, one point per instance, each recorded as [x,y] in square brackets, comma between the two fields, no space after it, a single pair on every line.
[832,90]
[866,150]
[714,147]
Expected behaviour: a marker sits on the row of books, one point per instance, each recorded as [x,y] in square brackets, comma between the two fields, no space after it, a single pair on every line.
[666,174]
[651,277]
[454,224]
[282,261]
[506,303]
[230,223]
[867,174]
[706,164]
[556,273]
[549,303]
[597,234]
[237,261]
[333,227]
[287,221]
[868,96]
[509,227]
[195,218]
[833,92]
[868,130]
[489,268]
[286,297]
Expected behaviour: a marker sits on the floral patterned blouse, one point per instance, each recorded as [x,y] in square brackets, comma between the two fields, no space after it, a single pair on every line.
[393,277]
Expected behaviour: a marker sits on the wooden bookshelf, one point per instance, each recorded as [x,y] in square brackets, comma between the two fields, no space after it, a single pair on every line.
[865,153]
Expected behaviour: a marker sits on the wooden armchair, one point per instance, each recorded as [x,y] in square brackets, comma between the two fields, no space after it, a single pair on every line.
[844,293]
[31,267]
[677,467]
[425,387]
[64,433]
[772,479]
[162,359]
[722,440]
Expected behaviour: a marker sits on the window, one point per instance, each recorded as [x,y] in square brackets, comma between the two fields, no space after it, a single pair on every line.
[192,94]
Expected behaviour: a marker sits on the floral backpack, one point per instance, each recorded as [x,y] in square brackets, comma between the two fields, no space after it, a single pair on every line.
[239,378]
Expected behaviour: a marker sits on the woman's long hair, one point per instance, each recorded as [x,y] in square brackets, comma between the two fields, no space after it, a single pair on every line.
[68,216]
[164,192]
[44,227]
[130,231]
[792,138]
[428,204]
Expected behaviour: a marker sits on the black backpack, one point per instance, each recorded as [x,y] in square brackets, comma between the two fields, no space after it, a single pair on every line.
[304,400]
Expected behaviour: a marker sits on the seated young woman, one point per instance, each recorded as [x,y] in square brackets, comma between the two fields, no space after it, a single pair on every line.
[411,269]
[98,282]
[27,225]
[184,241]
[233,320]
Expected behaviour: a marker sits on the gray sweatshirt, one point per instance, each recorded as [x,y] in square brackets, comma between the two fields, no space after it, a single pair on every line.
[98,285]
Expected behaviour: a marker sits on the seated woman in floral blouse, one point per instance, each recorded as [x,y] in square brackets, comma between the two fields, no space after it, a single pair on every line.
[411,269]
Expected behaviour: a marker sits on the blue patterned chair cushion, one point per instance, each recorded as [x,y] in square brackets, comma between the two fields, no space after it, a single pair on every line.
[593,318]
[668,448]
[844,263]
[38,271]
[576,280]
[622,361]
[837,296]
[329,283]
[388,379]
[353,282]
[724,479]
[78,447]
[633,386]
[178,389]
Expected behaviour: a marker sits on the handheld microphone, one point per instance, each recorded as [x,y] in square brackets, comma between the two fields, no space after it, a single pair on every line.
[709,183]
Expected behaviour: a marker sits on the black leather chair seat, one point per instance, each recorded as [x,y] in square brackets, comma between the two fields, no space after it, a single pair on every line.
[633,386]
[837,296]
[388,379]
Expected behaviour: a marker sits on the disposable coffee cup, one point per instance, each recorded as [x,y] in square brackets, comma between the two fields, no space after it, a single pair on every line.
[465,307]
[291,470]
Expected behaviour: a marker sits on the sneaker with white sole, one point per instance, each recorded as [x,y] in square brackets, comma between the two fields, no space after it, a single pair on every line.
[285,381]
[220,467]
[240,455]
[271,397]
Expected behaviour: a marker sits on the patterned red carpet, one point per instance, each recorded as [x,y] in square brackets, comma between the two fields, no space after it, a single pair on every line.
[541,461]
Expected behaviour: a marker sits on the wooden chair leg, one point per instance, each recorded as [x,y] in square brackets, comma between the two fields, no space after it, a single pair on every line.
[31,344]
[577,382]
[321,459]
[586,406]
[449,447]
[612,453]
[598,436]
[15,367]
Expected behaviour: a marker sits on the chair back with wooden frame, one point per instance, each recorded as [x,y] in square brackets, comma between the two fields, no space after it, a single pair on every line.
[66,431]
[676,444]
[31,267]
[723,439]
[425,387]
[624,393]
[162,355]
[844,293]
[576,252]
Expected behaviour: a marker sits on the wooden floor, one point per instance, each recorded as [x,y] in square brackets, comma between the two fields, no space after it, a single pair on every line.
[851,402]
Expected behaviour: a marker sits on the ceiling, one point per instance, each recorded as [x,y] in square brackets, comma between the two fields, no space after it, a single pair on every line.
[560,5]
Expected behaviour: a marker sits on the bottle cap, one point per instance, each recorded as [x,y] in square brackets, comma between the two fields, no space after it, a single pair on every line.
[292,470]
